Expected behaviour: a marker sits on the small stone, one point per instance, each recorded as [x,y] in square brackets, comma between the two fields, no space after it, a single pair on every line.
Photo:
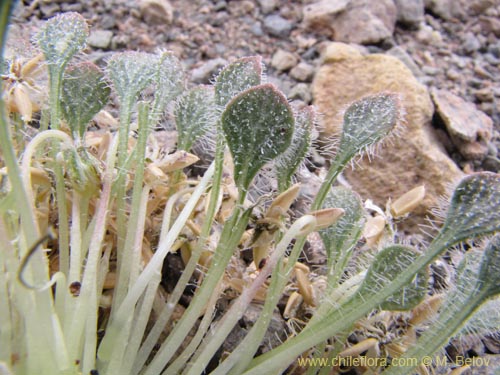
[430,70]
[256,29]
[156,12]
[205,72]
[406,59]
[470,129]
[108,22]
[453,74]
[491,59]
[240,8]
[277,26]
[470,44]
[336,51]
[303,72]
[302,92]
[100,39]
[484,95]
[220,5]
[49,9]
[352,21]
[490,25]
[267,6]
[120,41]
[283,60]
[410,12]
[77,7]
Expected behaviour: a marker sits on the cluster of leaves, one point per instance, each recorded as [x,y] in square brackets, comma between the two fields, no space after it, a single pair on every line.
[93,300]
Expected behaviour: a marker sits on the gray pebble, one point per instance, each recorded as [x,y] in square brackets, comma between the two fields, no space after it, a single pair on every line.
[494,49]
[302,72]
[77,7]
[430,70]
[256,29]
[100,39]
[406,59]
[220,5]
[491,59]
[108,22]
[267,6]
[302,92]
[453,74]
[277,26]
[471,44]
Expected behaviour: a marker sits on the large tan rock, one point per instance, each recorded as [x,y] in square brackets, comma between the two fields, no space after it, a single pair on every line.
[413,158]
[352,21]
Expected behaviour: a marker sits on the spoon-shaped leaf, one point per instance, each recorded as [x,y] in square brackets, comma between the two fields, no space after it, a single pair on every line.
[61,37]
[84,93]
[258,125]
[389,264]
[237,77]
[474,209]
[366,122]
[131,72]
[194,115]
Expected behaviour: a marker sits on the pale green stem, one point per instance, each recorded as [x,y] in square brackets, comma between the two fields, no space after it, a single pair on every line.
[120,318]
[230,237]
[238,308]
[82,313]
[139,326]
[90,337]
[127,251]
[345,315]
[174,298]
[181,361]
[55,80]
[242,356]
[160,322]
[454,315]
[26,175]
[121,217]
[75,261]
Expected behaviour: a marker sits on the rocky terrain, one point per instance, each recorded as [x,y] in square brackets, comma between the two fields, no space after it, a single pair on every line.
[441,56]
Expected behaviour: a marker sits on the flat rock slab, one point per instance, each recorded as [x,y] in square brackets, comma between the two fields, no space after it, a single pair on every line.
[470,129]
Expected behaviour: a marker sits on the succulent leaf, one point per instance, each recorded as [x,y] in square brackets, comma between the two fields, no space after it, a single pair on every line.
[61,37]
[389,264]
[194,115]
[366,122]
[84,93]
[258,125]
[344,234]
[474,209]
[288,162]
[131,72]
[237,77]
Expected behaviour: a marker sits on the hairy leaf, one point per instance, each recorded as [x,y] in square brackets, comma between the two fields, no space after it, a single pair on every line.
[258,125]
[194,115]
[84,93]
[389,264]
[237,77]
